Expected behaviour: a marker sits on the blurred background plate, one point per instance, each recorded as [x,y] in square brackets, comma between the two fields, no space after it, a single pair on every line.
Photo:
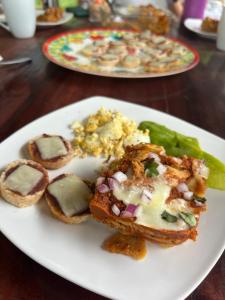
[195,26]
[67,16]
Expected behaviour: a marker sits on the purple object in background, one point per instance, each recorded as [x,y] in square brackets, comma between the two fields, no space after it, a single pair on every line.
[194,9]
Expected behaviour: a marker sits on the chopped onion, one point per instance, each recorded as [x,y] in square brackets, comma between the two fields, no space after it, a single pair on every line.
[115,210]
[161,169]
[120,176]
[131,208]
[146,196]
[204,171]
[182,187]
[154,156]
[126,214]
[113,183]
[100,180]
[188,195]
[103,188]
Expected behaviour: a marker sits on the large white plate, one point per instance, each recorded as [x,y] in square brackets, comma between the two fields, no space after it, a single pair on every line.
[74,251]
[195,26]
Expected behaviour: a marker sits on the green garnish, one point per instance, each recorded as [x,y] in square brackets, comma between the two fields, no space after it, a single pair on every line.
[151,168]
[168,217]
[188,218]
[177,144]
[199,199]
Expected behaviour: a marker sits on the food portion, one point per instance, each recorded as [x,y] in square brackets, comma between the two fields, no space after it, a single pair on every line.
[210,25]
[68,198]
[154,19]
[106,133]
[52,151]
[52,14]
[152,195]
[121,51]
[177,144]
[23,182]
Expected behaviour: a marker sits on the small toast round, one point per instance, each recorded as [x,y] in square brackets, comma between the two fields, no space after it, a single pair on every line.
[109,60]
[51,164]
[131,61]
[58,213]
[16,198]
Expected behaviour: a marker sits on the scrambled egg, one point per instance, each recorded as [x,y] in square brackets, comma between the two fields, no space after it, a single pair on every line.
[106,133]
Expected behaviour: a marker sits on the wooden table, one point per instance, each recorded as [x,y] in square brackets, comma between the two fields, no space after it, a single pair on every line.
[32,90]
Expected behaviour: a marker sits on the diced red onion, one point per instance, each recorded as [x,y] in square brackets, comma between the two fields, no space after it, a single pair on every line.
[131,208]
[115,210]
[126,214]
[103,188]
[120,176]
[188,195]
[204,171]
[113,183]
[100,180]
[154,156]
[161,169]
[146,196]
[182,187]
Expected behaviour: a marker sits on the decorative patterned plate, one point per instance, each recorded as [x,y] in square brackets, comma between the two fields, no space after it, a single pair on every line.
[66,50]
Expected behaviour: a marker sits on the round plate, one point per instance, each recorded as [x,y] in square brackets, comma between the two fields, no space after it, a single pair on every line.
[67,16]
[195,26]
[64,50]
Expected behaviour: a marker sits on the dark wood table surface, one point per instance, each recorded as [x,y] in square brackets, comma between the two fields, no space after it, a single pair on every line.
[32,90]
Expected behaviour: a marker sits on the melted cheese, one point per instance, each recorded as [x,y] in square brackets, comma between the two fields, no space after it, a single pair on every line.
[51,147]
[23,179]
[72,194]
[149,214]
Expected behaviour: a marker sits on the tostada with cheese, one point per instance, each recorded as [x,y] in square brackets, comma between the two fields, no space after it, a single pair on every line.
[150,194]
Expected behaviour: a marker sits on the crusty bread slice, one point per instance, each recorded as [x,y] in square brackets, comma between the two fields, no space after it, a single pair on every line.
[57,211]
[54,163]
[16,198]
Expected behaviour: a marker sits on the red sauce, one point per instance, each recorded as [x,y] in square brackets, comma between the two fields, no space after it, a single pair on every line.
[132,246]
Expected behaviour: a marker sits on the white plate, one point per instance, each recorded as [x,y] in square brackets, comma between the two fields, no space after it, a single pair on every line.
[195,26]
[74,251]
[67,16]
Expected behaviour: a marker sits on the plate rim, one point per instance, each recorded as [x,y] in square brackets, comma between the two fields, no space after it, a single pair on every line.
[117,75]
[209,35]
[66,18]
[41,261]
